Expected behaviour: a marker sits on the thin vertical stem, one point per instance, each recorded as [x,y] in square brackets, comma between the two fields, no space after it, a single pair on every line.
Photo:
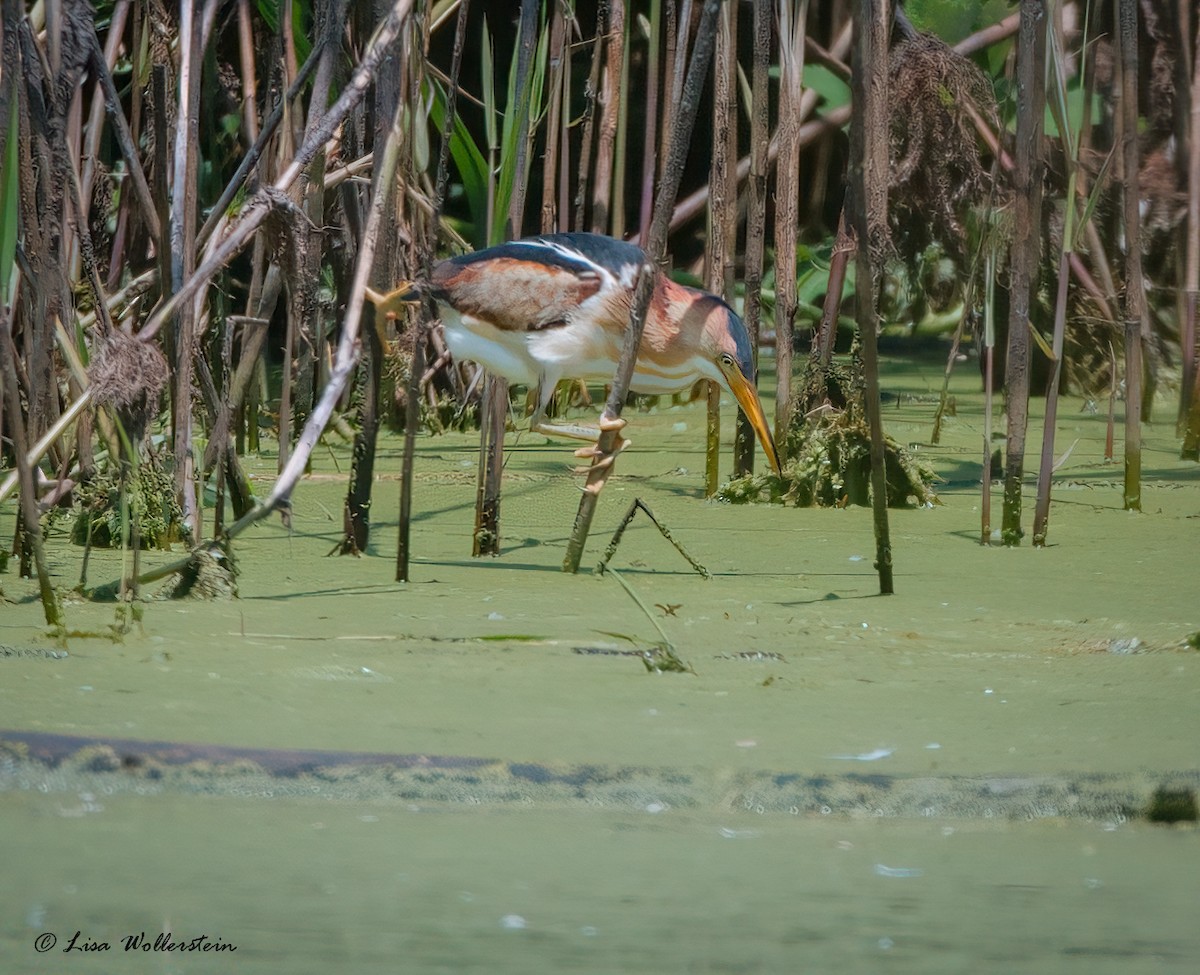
[554,110]
[1026,251]
[591,88]
[722,211]
[1071,142]
[793,16]
[610,107]
[420,335]
[621,142]
[28,500]
[756,215]
[989,348]
[412,419]
[650,140]
[486,539]
[183,255]
[1189,400]
[1134,292]
[869,181]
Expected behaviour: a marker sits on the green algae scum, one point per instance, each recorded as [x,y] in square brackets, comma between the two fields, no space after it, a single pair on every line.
[994,770]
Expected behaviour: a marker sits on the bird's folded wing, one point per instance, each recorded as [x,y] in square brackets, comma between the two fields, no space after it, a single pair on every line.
[516,288]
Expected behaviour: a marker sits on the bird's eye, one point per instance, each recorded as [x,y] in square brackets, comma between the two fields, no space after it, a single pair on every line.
[726,359]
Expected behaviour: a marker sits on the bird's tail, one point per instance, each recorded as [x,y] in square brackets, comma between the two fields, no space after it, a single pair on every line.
[392,303]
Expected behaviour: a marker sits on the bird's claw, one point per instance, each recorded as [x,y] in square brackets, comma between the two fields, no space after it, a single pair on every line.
[595,450]
[611,423]
[600,458]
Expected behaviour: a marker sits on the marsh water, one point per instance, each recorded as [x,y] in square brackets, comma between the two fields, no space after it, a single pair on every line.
[474,771]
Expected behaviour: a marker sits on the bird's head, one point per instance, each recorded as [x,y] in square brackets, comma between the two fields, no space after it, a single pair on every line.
[727,343]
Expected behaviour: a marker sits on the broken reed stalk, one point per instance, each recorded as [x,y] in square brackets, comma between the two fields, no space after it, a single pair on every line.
[679,26]
[610,420]
[247,59]
[935,437]
[756,216]
[1041,514]
[666,640]
[1026,251]
[722,214]
[89,149]
[869,130]
[1109,430]
[1134,291]
[162,191]
[493,420]
[639,505]
[792,16]
[493,402]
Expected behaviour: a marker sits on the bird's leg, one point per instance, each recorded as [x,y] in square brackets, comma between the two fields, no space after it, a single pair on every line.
[599,458]
[572,431]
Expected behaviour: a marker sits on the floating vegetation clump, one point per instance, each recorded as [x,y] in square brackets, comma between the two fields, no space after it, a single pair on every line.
[210,573]
[830,466]
[151,495]
[828,455]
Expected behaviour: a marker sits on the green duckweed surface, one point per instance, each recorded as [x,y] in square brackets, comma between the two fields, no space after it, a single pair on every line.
[956,777]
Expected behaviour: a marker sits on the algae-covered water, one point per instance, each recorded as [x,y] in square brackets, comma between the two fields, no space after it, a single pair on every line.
[472,772]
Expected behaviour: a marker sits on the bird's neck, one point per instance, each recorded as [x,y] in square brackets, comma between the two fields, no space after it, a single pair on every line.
[679,319]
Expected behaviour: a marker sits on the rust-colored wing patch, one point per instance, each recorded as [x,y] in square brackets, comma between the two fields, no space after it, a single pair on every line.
[513,294]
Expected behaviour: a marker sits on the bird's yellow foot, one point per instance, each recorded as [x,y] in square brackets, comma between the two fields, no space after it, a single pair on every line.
[602,459]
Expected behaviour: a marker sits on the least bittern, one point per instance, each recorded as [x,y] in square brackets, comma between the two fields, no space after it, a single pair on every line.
[557,307]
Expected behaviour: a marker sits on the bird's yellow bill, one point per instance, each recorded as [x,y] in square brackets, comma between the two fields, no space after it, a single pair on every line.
[747,397]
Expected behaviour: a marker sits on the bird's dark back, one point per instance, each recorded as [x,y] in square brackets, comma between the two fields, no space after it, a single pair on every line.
[579,253]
